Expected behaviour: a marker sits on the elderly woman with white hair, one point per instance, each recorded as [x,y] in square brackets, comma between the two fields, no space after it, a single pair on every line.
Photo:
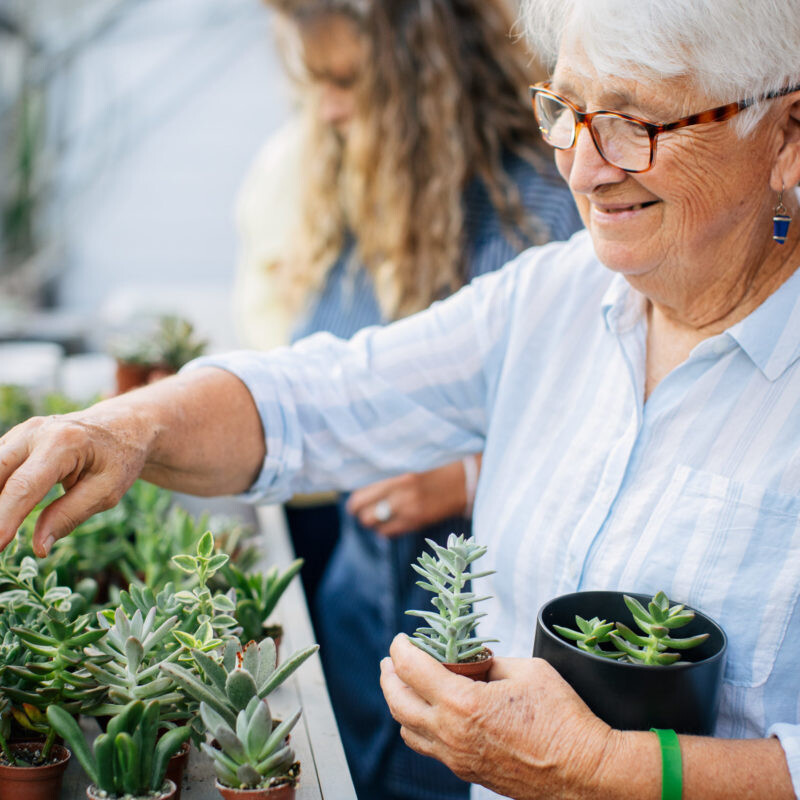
[634,392]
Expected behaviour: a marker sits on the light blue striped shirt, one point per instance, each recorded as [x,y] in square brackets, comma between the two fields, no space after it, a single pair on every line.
[541,366]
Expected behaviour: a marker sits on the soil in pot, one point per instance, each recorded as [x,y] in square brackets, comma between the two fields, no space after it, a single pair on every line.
[683,696]
[167,793]
[34,782]
[476,668]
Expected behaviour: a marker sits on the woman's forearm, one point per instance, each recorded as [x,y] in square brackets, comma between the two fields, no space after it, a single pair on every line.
[713,769]
[205,435]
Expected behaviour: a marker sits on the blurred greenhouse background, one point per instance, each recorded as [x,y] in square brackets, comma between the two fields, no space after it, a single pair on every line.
[126,127]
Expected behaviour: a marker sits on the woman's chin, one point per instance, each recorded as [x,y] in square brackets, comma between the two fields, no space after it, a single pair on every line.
[627,259]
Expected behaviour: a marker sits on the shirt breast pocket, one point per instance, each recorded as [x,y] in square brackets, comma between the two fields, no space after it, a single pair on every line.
[731,550]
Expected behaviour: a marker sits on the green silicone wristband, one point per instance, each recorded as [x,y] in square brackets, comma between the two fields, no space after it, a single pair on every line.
[671,765]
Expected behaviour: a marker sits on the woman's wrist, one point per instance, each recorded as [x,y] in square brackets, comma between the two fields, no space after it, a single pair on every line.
[629,767]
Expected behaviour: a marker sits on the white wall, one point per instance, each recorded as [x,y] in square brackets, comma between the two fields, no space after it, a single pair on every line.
[164,116]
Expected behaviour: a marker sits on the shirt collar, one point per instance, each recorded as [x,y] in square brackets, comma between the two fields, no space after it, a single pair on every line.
[770,335]
[623,307]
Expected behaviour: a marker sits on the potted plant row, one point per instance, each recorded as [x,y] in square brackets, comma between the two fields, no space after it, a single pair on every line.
[62,655]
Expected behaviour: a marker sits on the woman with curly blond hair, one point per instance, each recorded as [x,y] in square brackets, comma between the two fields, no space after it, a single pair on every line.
[413,167]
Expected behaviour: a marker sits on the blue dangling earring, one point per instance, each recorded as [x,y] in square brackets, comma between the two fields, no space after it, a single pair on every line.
[780,221]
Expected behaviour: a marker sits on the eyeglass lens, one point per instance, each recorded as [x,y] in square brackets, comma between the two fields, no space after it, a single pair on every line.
[623,143]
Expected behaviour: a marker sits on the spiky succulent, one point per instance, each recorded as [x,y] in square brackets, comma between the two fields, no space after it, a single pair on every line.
[127,660]
[229,684]
[254,751]
[657,621]
[257,594]
[129,760]
[449,635]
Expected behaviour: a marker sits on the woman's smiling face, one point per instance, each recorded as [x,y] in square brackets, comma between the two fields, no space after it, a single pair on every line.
[704,206]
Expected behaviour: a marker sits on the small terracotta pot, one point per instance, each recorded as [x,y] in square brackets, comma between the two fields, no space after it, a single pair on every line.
[34,783]
[93,793]
[286,791]
[177,766]
[477,670]
[130,376]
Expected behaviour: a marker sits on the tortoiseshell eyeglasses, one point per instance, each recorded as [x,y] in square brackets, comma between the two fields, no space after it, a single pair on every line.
[626,142]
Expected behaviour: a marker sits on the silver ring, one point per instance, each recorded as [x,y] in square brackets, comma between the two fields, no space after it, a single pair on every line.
[383,510]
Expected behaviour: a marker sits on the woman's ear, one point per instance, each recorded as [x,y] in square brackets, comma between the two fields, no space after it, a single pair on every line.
[786,170]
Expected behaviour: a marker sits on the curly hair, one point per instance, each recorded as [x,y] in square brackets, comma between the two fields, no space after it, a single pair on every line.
[442,101]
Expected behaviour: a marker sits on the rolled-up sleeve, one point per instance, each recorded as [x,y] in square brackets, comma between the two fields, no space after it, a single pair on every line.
[410,396]
[789,737]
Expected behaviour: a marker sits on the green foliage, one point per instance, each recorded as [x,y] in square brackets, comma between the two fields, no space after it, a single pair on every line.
[16,405]
[170,343]
[127,660]
[129,758]
[449,635]
[657,621]
[229,683]
[257,594]
[590,635]
[253,752]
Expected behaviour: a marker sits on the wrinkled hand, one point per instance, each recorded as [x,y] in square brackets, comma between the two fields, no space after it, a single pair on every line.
[416,499]
[525,734]
[95,464]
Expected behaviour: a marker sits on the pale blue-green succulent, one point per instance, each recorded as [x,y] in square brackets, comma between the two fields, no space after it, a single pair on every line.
[227,685]
[449,635]
[254,752]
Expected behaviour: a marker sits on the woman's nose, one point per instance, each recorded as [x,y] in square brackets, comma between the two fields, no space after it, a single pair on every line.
[336,105]
[587,168]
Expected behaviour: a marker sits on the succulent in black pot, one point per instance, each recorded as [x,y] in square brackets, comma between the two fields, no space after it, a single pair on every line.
[636,680]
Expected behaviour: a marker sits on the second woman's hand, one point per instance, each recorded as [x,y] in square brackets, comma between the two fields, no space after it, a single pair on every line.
[396,506]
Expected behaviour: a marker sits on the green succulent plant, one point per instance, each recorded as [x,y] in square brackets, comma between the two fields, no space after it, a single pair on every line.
[127,660]
[214,608]
[229,684]
[253,752]
[257,594]
[590,635]
[169,342]
[129,760]
[656,622]
[449,635]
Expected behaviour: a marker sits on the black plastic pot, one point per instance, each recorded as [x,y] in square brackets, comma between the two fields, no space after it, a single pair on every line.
[684,696]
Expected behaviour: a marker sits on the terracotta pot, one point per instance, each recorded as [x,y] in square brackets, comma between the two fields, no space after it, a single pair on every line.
[34,783]
[177,766]
[130,376]
[285,791]
[477,670]
[93,793]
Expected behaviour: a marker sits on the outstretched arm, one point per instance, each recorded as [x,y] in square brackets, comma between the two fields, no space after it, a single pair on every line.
[198,432]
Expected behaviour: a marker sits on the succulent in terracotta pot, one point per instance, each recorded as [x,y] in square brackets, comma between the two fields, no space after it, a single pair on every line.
[161,350]
[227,685]
[253,758]
[129,760]
[449,635]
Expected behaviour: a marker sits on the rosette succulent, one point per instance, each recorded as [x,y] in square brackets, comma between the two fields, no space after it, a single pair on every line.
[254,752]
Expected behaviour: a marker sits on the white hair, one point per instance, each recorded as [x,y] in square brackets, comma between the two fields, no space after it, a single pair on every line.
[730,49]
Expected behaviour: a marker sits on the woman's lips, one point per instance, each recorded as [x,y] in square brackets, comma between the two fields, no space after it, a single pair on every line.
[619,208]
